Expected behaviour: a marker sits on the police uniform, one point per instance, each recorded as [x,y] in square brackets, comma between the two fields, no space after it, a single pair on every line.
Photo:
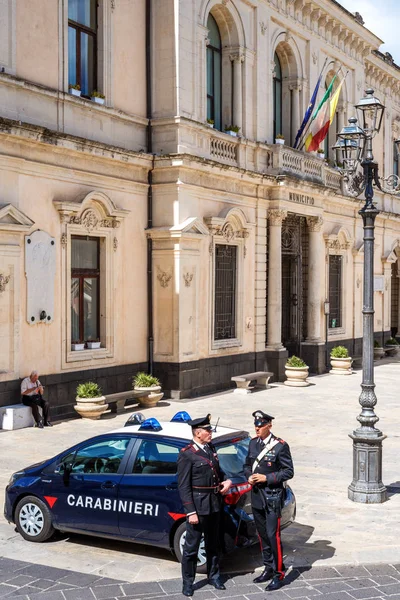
[270,457]
[199,478]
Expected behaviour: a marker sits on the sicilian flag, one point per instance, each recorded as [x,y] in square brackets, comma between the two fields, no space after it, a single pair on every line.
[309,110]
[323,119]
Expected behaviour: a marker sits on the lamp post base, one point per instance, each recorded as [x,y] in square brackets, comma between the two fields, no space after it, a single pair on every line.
[367,486]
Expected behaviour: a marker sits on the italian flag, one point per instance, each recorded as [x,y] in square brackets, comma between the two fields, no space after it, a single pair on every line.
[323,118]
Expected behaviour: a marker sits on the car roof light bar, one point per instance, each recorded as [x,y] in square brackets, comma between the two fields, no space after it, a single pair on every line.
[136,419]
[150,425]
[181,417]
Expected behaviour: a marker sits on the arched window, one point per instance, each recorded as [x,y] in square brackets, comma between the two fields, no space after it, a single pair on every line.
[277,97]
[214,73]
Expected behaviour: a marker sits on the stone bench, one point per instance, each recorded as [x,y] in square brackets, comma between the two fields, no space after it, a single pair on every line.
[243,381]
[16,416]
[117,401]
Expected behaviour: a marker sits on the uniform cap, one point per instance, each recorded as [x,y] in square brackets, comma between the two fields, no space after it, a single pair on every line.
[203,422]
[261,418]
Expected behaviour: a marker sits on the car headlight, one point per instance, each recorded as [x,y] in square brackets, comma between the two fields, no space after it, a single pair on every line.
[16,476]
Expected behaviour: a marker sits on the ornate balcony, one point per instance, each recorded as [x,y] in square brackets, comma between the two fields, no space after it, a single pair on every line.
[270,159]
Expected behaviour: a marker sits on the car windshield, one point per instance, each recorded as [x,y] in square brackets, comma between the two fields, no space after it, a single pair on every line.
[232,455]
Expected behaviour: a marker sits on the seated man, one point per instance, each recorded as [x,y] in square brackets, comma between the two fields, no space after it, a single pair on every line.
[32,395]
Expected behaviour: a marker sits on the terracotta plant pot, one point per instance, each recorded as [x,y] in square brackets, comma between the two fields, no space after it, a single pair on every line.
[341,366]
[151,397]
[91,408]
[296,376]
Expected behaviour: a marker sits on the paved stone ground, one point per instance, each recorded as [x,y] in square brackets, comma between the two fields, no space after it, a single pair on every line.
[26,581]
[330,530]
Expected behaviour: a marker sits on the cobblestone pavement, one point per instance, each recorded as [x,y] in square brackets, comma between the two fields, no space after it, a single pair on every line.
[26,581]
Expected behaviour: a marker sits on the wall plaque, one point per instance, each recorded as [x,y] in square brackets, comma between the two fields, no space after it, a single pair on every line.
[40,270]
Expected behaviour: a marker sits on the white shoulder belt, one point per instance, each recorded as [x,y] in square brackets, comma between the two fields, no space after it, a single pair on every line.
[273,442]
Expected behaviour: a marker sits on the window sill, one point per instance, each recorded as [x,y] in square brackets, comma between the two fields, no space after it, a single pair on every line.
[222,344]
[83,355]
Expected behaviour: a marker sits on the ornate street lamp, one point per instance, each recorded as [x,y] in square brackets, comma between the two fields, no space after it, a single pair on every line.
[355,145]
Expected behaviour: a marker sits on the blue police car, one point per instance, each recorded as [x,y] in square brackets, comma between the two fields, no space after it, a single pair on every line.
[123,485]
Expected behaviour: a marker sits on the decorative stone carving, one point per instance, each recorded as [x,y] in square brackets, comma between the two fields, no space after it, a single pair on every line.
[228,232]
[358,280]
[359,18]
[113,4]
[359,84]
[163,277]
[237,57]
[64,240]
[4,279]
[89,220]
[40,270]
[314,223]
[263,27]
[276,216]
[115,244]
[188,279]
[314,57]
[337,245]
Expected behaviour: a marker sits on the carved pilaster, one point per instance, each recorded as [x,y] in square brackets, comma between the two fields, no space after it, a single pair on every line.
[276,216]
[314,223]
[4,279]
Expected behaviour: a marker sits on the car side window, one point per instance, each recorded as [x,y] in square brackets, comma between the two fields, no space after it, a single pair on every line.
[100,457]
[156,458]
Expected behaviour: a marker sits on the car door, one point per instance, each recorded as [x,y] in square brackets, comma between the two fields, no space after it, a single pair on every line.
[84,485]
[149,490]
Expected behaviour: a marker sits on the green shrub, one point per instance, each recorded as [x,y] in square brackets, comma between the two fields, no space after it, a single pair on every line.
[279,136]
[295,361]
[377,344]
[144,380]
[88,390]
[234,128]
[391,342]
[339,352]
[75,86]
[96,94]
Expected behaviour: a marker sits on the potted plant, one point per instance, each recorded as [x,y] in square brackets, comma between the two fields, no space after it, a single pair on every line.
[93,344]
[391,347]
[150,386]
[296,372]
[95,96]
[77,345]
[232,130]
[210,123]
[279,139]
[75,89]
[341,361]
[378,350]
[321,153]
[90,403]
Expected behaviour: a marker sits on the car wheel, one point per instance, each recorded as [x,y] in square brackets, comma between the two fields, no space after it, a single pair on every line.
[33,519]
[179,542]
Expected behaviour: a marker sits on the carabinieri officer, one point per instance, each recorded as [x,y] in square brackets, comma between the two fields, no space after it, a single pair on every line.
[201,483]
[268,464]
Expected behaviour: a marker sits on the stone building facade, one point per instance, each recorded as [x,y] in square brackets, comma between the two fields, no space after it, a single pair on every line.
[133,232]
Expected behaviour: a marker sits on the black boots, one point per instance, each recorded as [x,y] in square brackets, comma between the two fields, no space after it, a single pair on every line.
[275,584]
[265,576]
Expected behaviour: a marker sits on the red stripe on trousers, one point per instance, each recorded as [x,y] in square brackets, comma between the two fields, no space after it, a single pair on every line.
[279,566]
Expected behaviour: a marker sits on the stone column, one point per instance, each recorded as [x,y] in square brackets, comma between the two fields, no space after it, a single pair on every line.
[315,269]
[295,111]
[237,109]
[274,317]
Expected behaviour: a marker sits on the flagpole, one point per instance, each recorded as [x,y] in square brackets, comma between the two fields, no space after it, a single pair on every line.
[303,137]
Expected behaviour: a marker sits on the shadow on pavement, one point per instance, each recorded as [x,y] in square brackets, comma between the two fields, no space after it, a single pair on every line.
[393,488]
